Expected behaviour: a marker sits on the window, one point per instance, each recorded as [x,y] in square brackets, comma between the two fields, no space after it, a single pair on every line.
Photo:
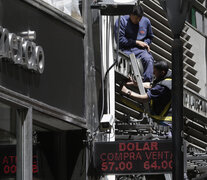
[7,143]
[205,25]
[69,7]
[198,20]
[14,147]
[193,17]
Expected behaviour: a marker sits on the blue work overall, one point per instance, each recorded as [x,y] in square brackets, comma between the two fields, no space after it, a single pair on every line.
[128,35]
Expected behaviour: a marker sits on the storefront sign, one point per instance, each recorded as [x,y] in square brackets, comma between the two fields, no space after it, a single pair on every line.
[8,160]
[133,157]
[21,51]
[195,102]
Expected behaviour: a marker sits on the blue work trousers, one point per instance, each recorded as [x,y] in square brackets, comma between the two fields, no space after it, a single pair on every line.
[147,62]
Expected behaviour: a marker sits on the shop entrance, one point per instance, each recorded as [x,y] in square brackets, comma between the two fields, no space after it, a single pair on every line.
[37,146]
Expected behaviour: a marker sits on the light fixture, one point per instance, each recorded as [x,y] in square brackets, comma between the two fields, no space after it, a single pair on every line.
[114,7]
[176,11]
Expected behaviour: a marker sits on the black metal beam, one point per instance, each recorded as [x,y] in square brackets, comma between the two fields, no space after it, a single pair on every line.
[177,107]
[111,8]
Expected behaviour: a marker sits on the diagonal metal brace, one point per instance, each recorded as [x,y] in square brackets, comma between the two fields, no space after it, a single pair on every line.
[138,78]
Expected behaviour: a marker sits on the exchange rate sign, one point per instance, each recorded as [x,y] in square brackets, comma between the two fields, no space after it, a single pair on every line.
[8,161]
[126,157]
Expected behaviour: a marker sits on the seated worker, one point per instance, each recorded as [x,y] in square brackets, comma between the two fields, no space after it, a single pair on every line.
[135,36]
[158,94]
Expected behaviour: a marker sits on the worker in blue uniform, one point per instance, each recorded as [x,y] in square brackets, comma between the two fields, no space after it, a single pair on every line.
[158,94]
[135,36]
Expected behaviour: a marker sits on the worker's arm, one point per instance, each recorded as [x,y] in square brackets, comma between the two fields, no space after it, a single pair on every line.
[141,98]
[150,34]
[146,85]
[143,44]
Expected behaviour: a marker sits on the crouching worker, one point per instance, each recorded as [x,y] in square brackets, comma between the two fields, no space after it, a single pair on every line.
[158,94]
[135,36]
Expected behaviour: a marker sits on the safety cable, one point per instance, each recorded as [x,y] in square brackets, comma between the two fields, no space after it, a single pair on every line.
[115,62]
[105,78]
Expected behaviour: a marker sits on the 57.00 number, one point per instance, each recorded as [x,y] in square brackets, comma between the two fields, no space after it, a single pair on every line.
[120,166]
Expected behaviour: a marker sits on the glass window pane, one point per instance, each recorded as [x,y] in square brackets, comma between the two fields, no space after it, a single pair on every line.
[193,17]
[205,25]
[70,7]
[199,21]
[7,142]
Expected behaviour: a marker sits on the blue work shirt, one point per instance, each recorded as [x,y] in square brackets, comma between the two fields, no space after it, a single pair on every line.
[130,32]
[160,94]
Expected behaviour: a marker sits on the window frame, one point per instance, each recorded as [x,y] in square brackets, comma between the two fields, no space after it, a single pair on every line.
[58,14]
[23,138]
[189,21]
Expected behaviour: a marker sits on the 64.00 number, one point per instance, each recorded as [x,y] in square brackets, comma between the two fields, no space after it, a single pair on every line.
[154,165]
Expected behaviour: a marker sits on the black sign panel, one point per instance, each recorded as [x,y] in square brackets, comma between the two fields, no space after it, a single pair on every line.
[8,161]
[61,85]
[126,157]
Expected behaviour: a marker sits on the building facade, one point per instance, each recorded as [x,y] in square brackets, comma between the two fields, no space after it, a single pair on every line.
[54,88]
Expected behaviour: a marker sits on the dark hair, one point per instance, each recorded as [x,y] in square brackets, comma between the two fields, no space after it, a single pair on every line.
[161,66]
[138,11]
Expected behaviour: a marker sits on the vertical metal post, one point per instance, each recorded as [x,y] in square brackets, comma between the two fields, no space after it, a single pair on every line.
[206,63]
[108,43]
[24,144]
[91,102]
[177,108]
[177,11]
[19,148]
[185,158]
[28,149]
[117,44]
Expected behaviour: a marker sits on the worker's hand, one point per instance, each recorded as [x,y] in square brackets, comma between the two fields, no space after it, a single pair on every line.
[124,90]
[143,45]
[148,48]
[131,78]
[131,83]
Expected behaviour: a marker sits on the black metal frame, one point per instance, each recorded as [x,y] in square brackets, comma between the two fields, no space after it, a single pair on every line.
[110,8]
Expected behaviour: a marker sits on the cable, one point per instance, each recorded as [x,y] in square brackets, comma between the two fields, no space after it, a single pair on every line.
[115,62]
[104,80]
